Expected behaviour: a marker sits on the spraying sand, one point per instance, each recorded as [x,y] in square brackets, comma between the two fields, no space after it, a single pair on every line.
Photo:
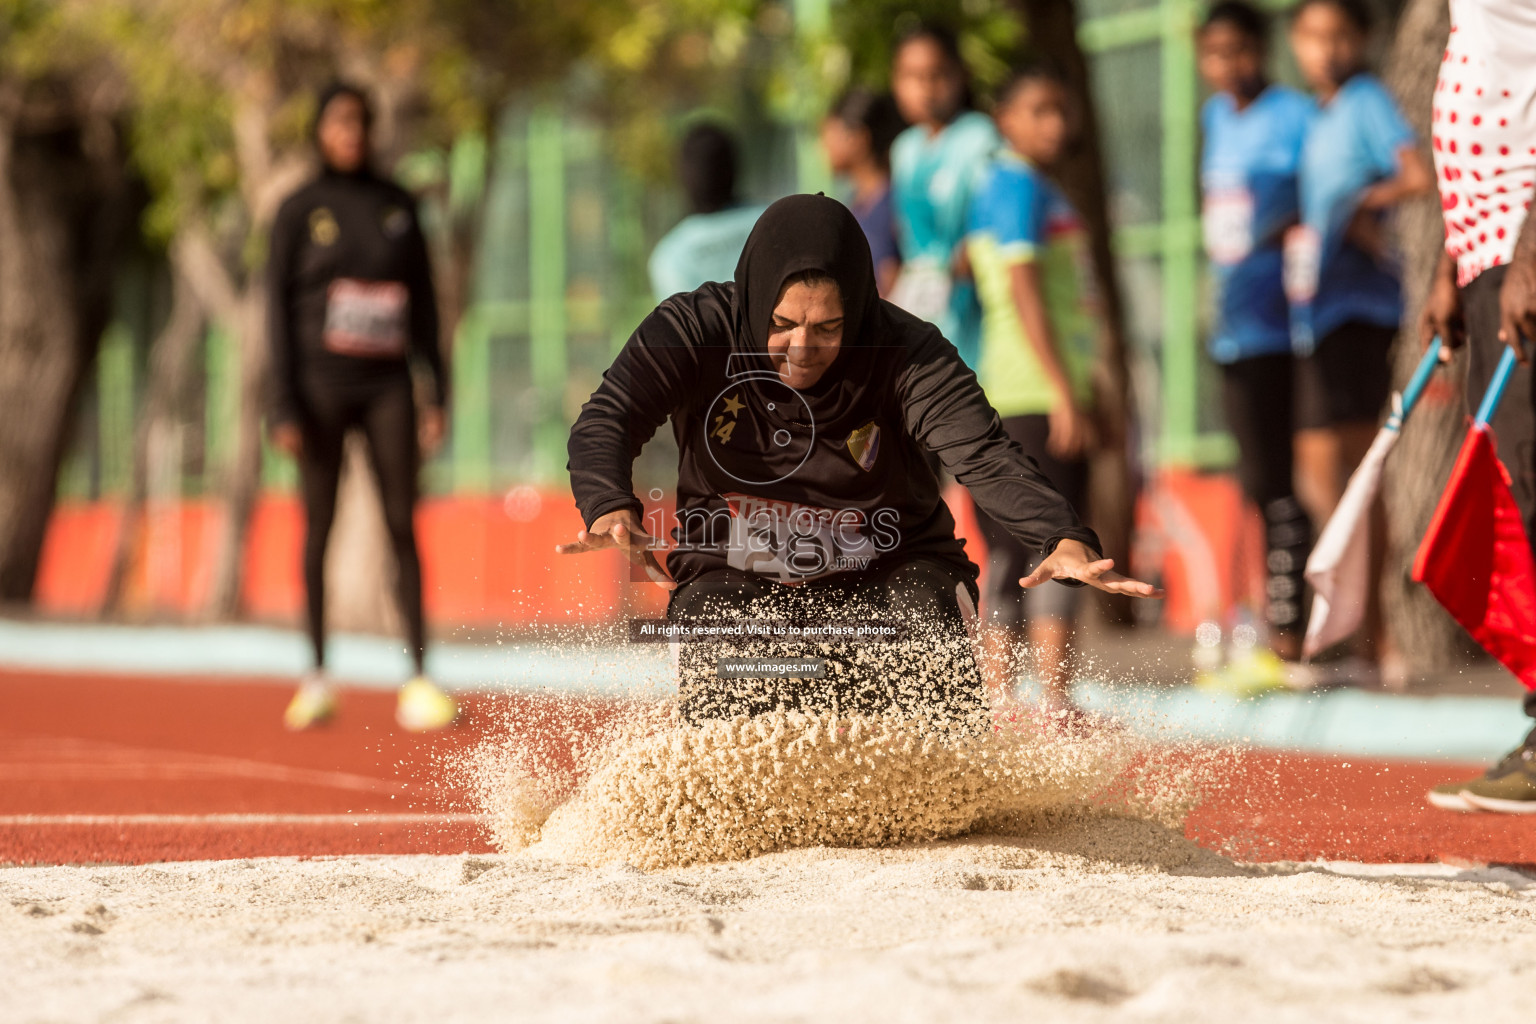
[649,791]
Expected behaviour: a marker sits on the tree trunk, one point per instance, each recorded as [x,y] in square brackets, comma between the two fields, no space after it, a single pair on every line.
[65,206]
[238,300]
[1425,635]
[241,479]
[1052,28]
[171,360]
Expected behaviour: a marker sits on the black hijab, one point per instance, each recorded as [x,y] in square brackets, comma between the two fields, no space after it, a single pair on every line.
[327,95]
[811,233]
[795,235]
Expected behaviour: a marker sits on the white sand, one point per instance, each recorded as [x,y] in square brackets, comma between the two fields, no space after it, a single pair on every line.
[1042,927]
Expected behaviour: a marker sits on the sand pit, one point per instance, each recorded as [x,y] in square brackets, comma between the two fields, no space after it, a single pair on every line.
[790,867]
[1057,926]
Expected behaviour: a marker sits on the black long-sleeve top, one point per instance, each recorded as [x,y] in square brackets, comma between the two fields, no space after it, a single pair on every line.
[832,477]
[919,395]
[356,229]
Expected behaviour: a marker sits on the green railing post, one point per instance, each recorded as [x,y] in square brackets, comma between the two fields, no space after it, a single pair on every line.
[631,301]
[114,403]
[221,400]
[1181,347]
[813,25]
[546,286]
[471,408]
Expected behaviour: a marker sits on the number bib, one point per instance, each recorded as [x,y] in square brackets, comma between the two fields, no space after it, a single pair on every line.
[1227,220]
[922,289]
[1303,256]
[795,542]
[366,318]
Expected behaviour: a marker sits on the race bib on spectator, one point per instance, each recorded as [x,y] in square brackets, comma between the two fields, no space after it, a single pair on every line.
[922,289]
[1303,255]
[366,318]
[1227,221]
[795,542]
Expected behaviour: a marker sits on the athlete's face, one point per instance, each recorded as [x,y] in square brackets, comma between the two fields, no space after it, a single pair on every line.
[1328,45]
[1037,121]
[927,85]
[806,333]
[1230,60]
[343,134]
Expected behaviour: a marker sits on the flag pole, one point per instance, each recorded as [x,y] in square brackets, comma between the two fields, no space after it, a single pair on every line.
[1495,392]
[1416,385]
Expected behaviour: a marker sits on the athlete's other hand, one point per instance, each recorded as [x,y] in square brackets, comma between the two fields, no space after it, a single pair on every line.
[431,426]
[1517,308]
[1442,315]
[621,530]
[1074,560]
[1070,431]
[287,439]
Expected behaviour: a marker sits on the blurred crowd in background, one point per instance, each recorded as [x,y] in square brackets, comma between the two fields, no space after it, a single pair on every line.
[1176,241]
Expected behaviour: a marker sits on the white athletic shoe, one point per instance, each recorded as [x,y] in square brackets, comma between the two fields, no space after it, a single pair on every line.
[1448,799]
[313,703]
[422,707]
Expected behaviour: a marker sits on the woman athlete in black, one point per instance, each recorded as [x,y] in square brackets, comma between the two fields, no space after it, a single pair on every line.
[803,406]
[351,302]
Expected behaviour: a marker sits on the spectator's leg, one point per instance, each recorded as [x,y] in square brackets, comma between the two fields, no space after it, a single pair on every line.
[1259,400]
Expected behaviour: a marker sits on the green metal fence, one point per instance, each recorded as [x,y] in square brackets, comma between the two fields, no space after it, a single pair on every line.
[1142,56]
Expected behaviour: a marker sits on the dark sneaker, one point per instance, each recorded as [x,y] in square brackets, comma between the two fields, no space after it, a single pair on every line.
[1509,787]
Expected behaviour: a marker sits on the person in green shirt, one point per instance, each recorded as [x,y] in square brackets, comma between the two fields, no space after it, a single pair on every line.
[1029,253]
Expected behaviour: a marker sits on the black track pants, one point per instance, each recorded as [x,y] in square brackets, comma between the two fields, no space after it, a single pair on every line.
[930,674]
[385,411]
[1259,396]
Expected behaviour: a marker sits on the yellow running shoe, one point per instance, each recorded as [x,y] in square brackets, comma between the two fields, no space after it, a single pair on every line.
[1258,671]
[313,703]
[423,707]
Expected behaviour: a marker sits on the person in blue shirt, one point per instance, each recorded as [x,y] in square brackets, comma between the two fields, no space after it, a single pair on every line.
[935,166]
[857,134]
[1254,131]
[1041,325]
[1360,159]
[705,245]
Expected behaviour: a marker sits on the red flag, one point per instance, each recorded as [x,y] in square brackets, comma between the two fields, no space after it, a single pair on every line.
[1476,559]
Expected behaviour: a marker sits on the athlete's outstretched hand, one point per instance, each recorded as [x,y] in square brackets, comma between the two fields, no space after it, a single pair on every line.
[1074,560]
[621,530]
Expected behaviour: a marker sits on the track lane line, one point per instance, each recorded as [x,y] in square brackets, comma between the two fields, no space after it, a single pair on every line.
[361,818]
[68,758]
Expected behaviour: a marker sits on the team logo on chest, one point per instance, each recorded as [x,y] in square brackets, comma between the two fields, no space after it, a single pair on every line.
[864,445]
[323,228]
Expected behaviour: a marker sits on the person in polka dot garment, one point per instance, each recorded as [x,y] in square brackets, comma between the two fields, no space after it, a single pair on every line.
[1484,292]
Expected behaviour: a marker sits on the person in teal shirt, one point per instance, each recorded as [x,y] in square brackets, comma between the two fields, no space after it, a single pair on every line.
[705,245]
[1029,251]
[934,169]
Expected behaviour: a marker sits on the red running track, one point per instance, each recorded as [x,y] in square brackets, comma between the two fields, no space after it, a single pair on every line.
[125,769]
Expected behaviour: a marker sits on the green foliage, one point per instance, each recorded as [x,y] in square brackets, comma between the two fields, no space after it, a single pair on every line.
[743,57]
[194,68]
